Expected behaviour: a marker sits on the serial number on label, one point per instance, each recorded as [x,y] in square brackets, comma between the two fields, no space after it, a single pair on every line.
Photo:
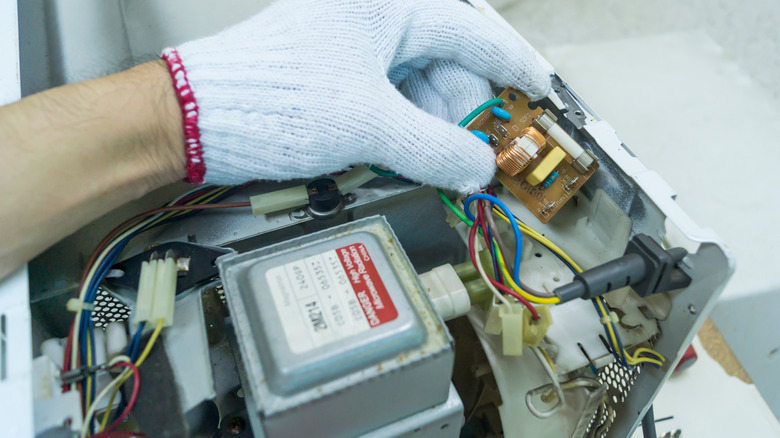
[319,274]
[316,317]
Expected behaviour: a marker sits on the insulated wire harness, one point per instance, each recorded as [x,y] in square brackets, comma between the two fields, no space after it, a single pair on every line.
[80,346]
[640,355]
[482,222]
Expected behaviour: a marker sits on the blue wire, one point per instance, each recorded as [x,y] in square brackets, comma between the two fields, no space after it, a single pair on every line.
[132,352]
[515,227]
[618,357]
[132,349]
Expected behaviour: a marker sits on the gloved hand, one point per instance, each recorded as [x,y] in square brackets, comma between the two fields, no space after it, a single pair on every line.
[309,87]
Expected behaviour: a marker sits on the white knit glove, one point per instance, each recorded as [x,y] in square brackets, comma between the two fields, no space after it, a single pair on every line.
[309,87]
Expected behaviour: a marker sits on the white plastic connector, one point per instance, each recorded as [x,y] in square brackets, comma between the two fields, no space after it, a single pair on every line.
[156,291]
[298,196]
[448,294]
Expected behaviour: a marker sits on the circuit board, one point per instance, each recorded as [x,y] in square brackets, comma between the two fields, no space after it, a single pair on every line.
[542,201]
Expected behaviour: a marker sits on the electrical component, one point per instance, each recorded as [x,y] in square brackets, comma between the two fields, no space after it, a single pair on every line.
[519,153]
[501,113]
[546,166]
[582,159]
[447,292]
[334,324]
[519,331]
[481,135]
[156,291]
[299,196]
[549,180]
[516,162]
[646,267]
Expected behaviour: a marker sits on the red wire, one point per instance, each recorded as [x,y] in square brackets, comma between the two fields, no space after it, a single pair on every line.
[130,403]
[486,235]
[501,287]
[66,359]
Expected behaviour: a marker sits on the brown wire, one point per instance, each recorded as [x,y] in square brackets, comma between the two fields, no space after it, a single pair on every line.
[137,218]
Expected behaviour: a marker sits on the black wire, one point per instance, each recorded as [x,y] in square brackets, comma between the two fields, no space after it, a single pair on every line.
[648,424]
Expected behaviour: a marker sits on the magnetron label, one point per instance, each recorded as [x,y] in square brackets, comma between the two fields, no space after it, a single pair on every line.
[329,296]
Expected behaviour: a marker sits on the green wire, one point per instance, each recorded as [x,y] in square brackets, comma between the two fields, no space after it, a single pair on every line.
[382,172]
[454,208]
[466,120]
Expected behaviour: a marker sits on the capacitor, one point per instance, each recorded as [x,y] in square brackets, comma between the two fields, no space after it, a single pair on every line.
[501,113]
[549,180]
[481,135]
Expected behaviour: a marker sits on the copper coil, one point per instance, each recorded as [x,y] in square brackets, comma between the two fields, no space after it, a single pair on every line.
[534,135]
[513,159]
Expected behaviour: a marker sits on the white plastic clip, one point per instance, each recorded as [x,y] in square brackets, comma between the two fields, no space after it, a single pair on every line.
[76,305]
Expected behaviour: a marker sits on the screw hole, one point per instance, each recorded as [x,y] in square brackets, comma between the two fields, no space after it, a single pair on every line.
[556,279]
[513,96]
[578,112]
[445,425]
[538,255]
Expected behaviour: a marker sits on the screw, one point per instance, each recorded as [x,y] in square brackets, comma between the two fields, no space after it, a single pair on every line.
[692,309]
[235,426]
[298,214]
[240,393]
[350,198]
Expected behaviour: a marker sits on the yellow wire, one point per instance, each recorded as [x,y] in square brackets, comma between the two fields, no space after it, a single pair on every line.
[88,394]
[630,359]
[141,359]
[531,232]
[150,344]
[518,289]
[549,359]
[202,199]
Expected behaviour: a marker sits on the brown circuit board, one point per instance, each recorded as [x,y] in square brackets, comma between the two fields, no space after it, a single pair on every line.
[542,202]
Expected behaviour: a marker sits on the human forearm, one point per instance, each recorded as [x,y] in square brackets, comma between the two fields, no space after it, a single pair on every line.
[73,153]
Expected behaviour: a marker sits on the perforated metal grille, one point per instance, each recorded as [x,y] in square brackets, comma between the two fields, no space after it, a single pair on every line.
[619,381]
[108,309]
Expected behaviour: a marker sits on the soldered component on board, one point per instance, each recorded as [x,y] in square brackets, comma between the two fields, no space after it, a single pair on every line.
[582,159]
[549,180]
[531,146]
[519,153]
[546,166]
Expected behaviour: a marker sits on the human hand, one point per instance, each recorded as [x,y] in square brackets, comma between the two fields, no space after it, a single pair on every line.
[309,87]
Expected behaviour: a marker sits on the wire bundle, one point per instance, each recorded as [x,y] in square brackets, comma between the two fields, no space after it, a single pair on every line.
[522,292]
[483,224]
[80,347]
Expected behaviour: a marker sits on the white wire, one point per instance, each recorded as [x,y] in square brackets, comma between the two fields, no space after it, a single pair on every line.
[556,384]
[94,267]
[483,274]
[103,393]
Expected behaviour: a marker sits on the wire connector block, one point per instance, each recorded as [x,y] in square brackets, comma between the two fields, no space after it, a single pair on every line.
[156,291]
